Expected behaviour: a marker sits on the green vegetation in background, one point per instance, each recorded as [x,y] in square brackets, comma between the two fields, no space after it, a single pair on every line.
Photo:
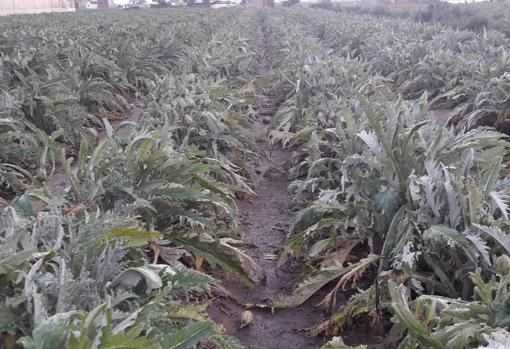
[493,15]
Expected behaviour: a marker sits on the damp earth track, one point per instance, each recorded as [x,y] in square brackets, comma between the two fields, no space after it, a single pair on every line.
[265,220]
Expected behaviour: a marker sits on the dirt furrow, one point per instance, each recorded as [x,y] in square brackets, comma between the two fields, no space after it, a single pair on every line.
[265,219]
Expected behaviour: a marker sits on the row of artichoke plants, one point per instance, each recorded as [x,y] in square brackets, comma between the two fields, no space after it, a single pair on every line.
[405,207]
[122,151]
[464,72]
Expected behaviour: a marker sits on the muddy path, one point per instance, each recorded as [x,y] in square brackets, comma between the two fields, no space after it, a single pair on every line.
[265,220]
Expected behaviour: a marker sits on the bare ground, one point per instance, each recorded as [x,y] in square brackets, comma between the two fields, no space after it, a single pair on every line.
[265,220]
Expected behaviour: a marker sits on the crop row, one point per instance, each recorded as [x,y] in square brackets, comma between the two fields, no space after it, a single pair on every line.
[121,154]
[417,207]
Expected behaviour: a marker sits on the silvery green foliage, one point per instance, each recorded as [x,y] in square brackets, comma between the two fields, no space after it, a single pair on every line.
[430,200]
[441,322]
[496,340]
[86,191]
[59,267]
[426,199]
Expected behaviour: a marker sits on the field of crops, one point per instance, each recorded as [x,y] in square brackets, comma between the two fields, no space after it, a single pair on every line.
[476,16]
[263,178]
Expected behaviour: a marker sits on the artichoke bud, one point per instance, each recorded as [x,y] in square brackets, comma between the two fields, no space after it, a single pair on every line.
[503,264]
[187,120]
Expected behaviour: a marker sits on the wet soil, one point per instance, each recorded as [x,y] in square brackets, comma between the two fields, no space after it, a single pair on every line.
[265,221]
[266,218]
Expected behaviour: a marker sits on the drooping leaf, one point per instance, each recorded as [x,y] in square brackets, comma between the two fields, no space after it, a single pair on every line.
[188,336]
[132,236]
[211,251]
[151,274]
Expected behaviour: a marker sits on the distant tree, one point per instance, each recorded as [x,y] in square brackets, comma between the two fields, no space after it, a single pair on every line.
[288,3]
[326,4]
[103,4]
[79,4]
